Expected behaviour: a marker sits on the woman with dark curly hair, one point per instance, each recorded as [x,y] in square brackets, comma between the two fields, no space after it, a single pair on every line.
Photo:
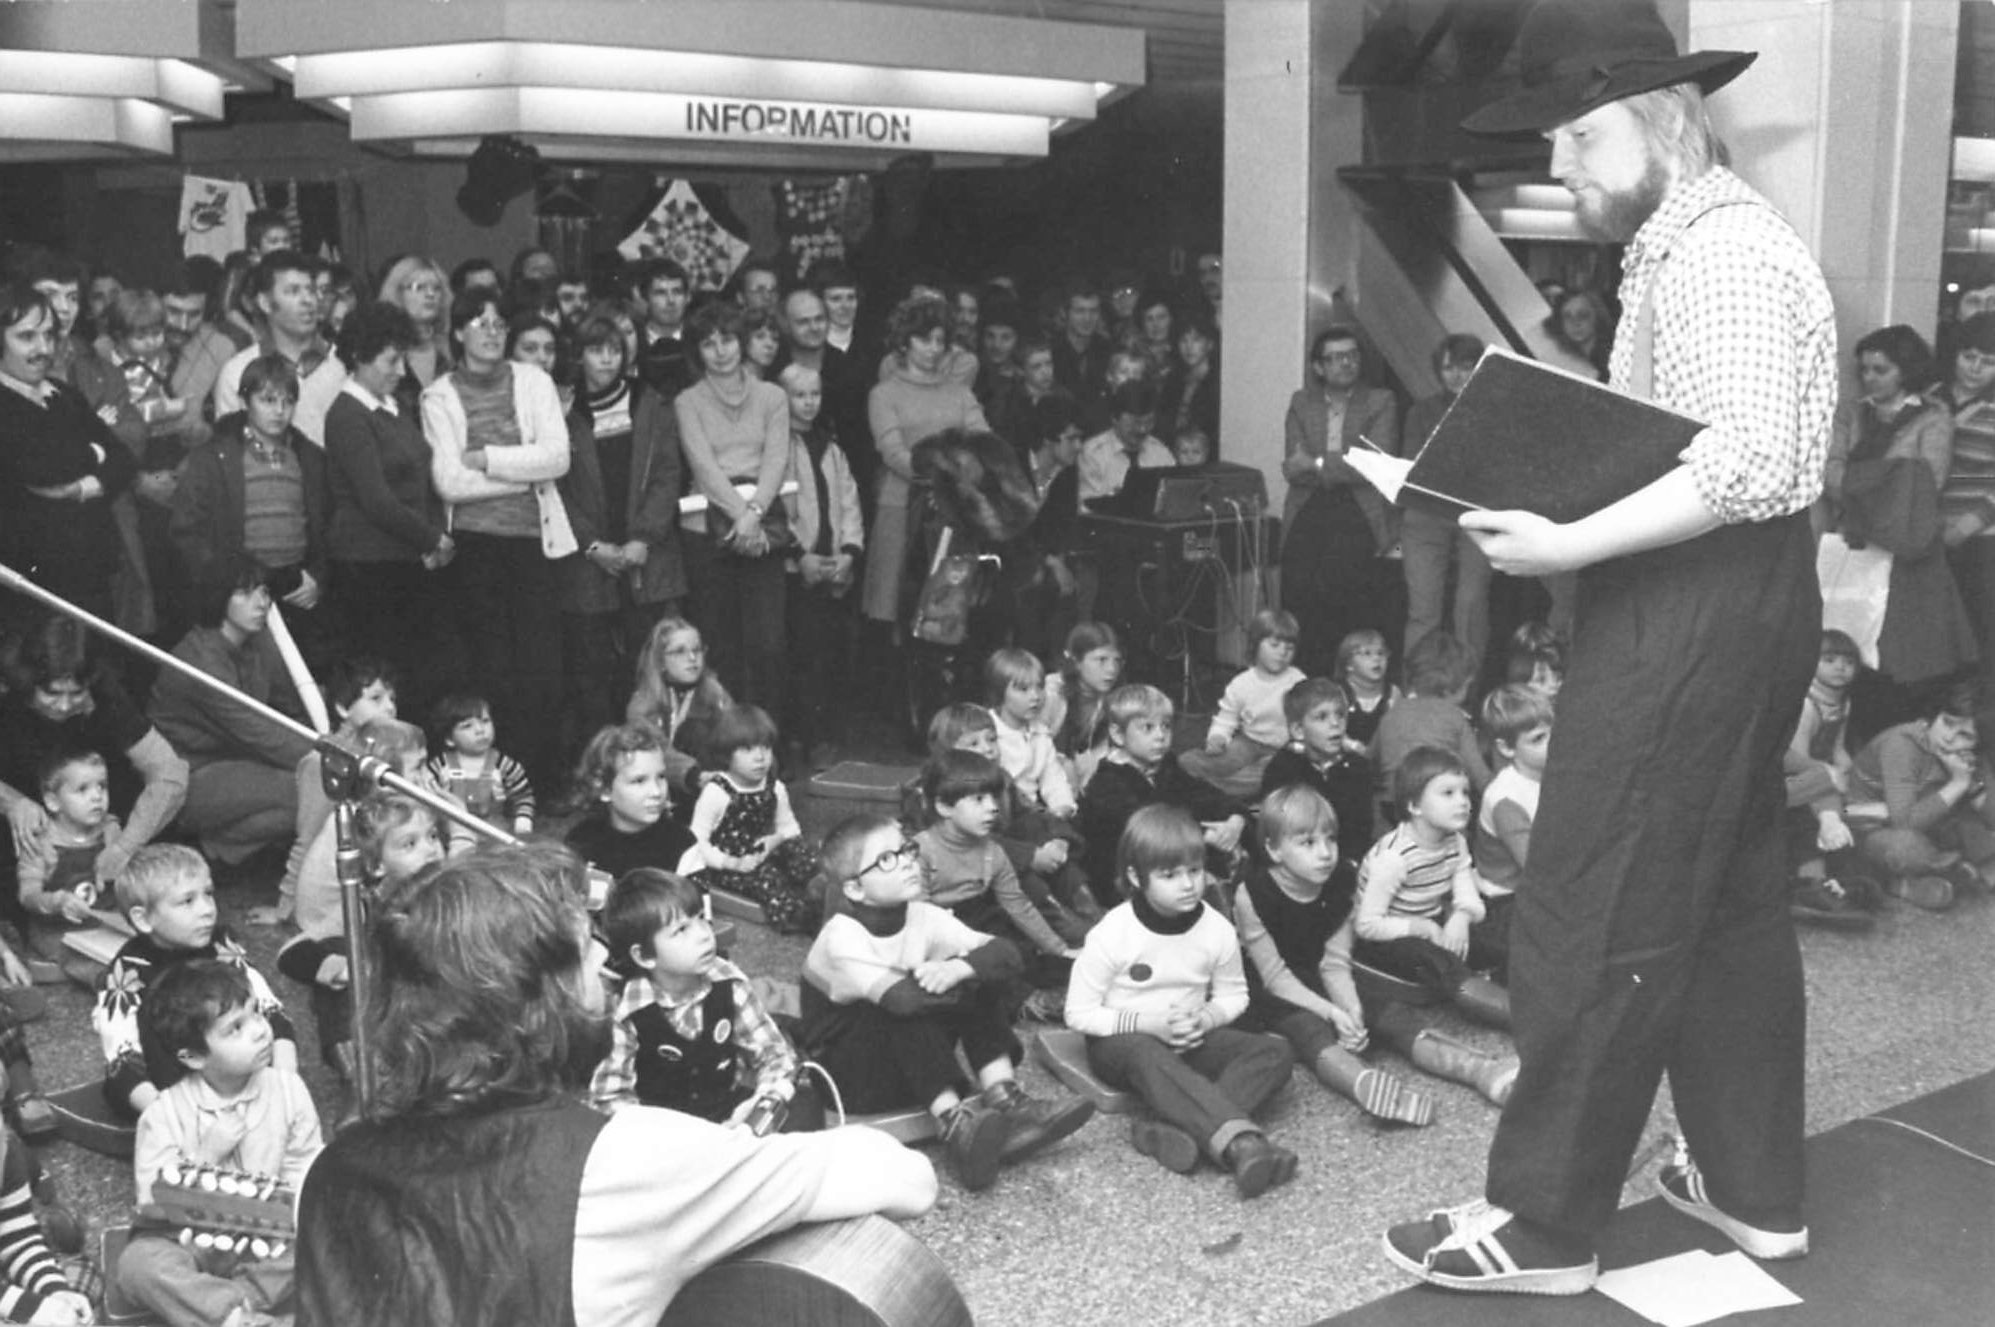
[386,538]
[1890,455]
[478,1190]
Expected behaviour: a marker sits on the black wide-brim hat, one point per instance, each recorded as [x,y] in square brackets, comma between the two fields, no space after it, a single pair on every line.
[1574,56]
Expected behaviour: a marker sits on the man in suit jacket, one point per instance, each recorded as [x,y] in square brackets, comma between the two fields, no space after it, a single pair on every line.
[1336,528]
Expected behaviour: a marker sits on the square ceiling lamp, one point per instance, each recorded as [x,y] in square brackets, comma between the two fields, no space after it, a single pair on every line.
[82,79]
[794,84]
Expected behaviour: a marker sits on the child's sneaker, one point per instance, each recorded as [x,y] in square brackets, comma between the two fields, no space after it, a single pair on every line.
[1481,1247]
[973,1139]
[1034,1124]
[1387,1096]
[1683,1188]
[1166,1144]
[1258,1165]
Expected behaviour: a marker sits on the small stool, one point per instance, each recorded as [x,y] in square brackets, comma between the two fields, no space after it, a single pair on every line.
[1063,1053]
[850,788]
[84,1117]
[1375,984]
[910,1126]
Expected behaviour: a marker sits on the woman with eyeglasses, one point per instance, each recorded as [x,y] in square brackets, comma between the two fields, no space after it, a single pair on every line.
[1336,528]
[418,287]
[498,441]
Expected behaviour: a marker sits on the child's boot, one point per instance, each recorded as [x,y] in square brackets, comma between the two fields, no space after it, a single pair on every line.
[1034,1124]
[34,1117]
[1484,1001]
[60,1228]
[1258,1165]
[1458,1062]
[973,1139]
[1379,1094]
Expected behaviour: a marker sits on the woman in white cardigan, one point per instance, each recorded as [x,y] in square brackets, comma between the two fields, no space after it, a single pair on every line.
[498,441]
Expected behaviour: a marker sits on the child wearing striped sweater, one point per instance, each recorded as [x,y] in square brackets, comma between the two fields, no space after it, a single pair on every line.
[1418,894]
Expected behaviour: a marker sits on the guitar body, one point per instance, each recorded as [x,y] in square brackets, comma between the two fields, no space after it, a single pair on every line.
[865,1272]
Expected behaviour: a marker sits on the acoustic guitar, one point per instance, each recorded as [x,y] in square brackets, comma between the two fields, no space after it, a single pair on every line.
[865,1272]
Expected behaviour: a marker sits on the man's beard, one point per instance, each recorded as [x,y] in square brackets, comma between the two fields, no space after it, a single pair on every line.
[1615,217]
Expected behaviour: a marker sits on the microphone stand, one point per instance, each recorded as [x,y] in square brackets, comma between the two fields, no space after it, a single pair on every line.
[349,777]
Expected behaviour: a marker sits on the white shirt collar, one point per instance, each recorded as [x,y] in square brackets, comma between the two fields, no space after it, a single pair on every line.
[359,393]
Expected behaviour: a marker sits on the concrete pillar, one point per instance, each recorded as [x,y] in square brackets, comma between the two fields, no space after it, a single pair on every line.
[1265,227]
[1845,122]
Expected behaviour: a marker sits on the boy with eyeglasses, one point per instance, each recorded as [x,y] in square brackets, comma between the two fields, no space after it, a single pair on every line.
[893,985]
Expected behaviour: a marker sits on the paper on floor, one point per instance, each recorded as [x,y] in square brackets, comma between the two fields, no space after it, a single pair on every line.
[1694,1287]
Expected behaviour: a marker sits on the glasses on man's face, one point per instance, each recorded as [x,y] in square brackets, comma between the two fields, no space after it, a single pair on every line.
[890,860]
[1338,357]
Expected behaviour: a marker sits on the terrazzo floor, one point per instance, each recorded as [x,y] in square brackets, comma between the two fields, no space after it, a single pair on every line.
[1092,1233]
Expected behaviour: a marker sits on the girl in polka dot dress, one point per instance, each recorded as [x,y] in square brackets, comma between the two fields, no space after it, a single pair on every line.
[748,842]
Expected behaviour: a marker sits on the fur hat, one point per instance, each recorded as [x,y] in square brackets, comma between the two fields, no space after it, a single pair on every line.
[1574,56]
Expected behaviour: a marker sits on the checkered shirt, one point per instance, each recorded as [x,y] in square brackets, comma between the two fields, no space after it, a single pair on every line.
[767,1051]
[1745,340]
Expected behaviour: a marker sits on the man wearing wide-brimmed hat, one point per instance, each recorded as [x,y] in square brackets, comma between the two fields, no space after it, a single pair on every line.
[1652,931]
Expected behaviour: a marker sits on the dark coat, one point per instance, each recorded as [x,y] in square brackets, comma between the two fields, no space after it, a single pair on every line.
[651,506]
[208,506]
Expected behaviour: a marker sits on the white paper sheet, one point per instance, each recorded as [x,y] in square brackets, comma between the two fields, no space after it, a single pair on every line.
[1386,473]
[1694,1287]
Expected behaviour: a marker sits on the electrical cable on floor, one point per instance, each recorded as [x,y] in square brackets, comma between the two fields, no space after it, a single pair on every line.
[1929,1136]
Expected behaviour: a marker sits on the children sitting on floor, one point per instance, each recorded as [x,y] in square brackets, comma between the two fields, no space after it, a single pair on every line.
[397,837]
[1363,659]
[1518,721]
[679,696]
[688,1031]
[893,985]
[491,784]
[169,898]
[1042,848]
[1140,770]
[967,872]
[359,690]
[1015,689]
[621,778]
[1319,756]
[1417,890]
[1438,673]
[1157,984]
[1929,822]
[1832,885]
[58,876]
[1293,914]
[226,1102]
[746,839]
[1077,708]
[1250,726]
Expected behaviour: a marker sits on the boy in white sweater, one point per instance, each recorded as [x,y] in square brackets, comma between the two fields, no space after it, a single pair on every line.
[1156,984]
[1251,726]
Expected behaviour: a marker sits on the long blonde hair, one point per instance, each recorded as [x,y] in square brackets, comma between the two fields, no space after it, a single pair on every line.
[400,274]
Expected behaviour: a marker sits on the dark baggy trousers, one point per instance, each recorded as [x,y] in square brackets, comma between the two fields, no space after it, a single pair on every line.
[1654,936]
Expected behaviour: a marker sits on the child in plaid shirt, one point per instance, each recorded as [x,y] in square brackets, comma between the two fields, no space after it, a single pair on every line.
[690,1033]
